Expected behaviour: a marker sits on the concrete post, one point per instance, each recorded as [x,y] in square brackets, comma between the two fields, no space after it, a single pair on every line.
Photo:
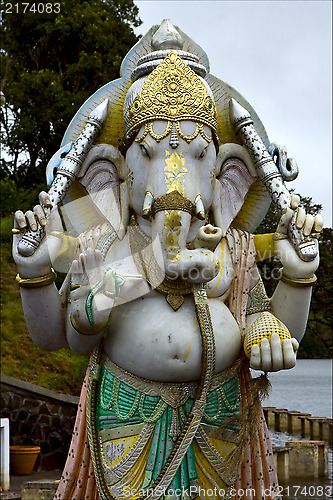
[327,431]
[307,459]
[294,424]
[322,459]
[269,416]
[305,425]
[314,428]
[4,454]
[281,420]
[281,462]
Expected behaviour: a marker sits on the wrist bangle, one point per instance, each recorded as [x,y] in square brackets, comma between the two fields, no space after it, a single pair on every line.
[299,282]
[279,236]
[37,282]
[110,295]
[94,330]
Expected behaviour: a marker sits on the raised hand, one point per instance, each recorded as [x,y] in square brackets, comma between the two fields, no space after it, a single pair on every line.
[41,216]
[310,225]
[94,293]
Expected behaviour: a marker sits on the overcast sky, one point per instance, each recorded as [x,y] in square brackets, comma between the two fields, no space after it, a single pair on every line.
[277,54]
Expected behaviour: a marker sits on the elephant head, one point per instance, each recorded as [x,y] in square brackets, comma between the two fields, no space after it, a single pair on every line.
[171,185]
[170,166]
[171,172]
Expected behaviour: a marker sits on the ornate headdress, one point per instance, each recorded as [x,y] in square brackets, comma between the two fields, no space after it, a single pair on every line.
[172,92]
[169,85]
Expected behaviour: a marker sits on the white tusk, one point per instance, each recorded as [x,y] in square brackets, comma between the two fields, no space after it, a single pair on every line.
[199,208]
[147,204]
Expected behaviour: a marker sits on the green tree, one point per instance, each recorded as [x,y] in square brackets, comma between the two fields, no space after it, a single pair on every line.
[51,62]
[319,334]
[317,341]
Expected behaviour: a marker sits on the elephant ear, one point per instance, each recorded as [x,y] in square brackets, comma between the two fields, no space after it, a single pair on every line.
[257,200]
[95,197]
[240,198]
[235,174]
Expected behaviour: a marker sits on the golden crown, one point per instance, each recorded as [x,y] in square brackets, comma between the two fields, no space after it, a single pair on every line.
[172,92]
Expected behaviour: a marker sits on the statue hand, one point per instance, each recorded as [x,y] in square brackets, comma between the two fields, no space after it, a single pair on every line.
[293,266]
[93,300]
[89,267]
[40,262]
[273,355]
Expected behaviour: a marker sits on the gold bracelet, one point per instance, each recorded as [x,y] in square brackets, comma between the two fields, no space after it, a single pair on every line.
[279,236]
[94,330]
[110,295]
[299,282]
[37,282]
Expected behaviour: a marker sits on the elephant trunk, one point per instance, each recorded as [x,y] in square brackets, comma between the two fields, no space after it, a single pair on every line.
[171,222]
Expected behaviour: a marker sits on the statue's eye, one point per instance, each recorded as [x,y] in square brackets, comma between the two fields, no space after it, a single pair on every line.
[145,150]
[203,152]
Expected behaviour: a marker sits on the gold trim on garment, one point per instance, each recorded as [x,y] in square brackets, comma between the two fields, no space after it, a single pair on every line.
[174,394]
[120,432]
[214,458]
[113,474]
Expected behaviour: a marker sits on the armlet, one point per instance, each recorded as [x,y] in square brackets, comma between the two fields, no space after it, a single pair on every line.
[258,300]
[265,247]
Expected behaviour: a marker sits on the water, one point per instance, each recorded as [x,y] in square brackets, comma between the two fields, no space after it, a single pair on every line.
[306,388]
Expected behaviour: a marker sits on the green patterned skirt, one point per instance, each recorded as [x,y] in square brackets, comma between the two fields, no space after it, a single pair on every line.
[136,423]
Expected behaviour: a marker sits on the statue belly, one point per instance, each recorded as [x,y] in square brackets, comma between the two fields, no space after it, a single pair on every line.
[149,339]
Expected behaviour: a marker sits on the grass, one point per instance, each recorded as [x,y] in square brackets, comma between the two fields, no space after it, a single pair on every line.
[62,371]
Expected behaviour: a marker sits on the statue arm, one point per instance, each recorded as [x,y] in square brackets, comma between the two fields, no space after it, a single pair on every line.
[291,299]
[91,301]
[287,297]
[291,306]
[42,305]
[49,321]
[79,342]
[45,316]
[290,302]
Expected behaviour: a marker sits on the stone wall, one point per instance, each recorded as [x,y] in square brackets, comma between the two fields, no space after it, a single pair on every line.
[39,417]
